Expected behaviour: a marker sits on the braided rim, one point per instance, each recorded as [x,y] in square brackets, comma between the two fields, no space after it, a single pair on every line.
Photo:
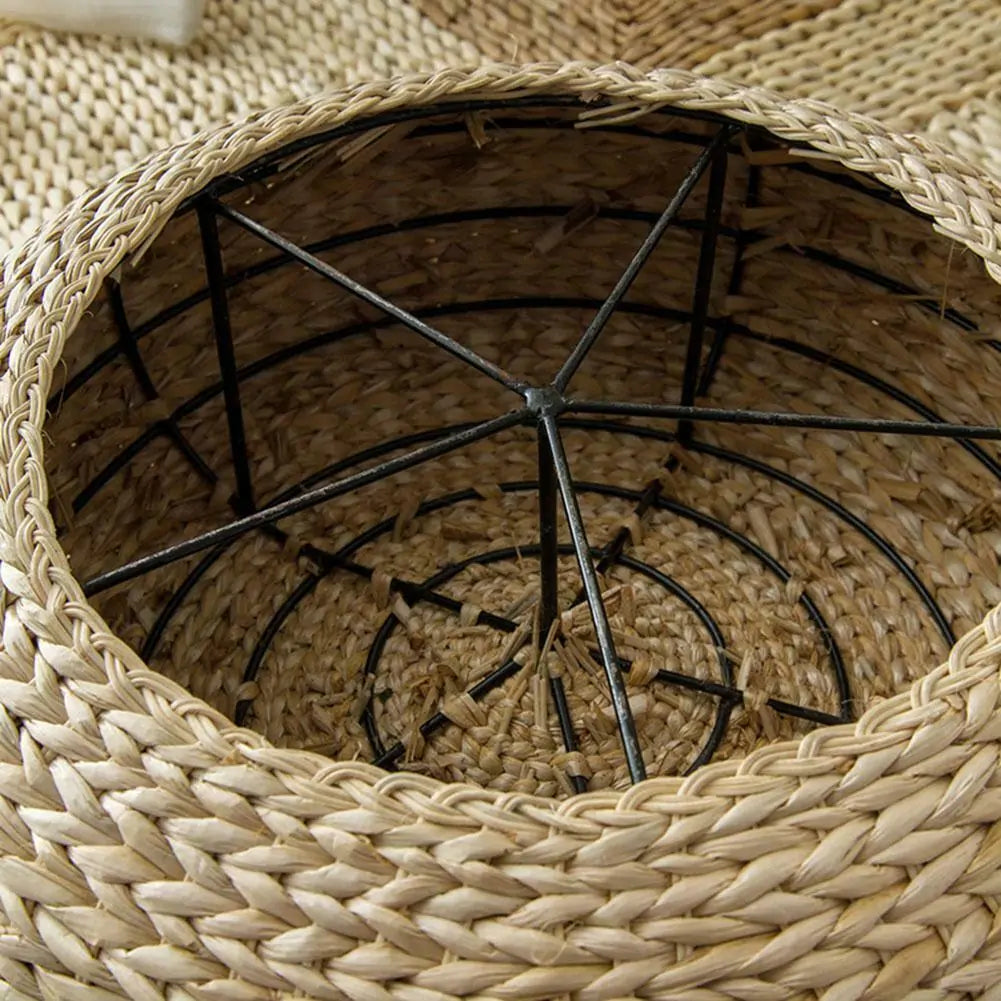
[59,647]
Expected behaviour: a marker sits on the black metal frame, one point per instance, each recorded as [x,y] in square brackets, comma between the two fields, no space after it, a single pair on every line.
[547,407]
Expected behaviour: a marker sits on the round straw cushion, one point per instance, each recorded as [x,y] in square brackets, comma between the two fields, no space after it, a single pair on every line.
[371,524]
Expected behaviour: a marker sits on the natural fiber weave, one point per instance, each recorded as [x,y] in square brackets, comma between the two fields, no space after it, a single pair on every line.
[152,849]
[77,109]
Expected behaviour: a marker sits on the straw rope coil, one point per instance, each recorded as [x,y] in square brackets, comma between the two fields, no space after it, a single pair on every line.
[150,848]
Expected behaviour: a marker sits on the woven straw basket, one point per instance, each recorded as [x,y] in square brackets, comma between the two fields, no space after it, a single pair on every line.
[455,520]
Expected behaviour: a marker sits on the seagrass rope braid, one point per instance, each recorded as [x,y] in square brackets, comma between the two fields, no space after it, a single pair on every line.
[151,849]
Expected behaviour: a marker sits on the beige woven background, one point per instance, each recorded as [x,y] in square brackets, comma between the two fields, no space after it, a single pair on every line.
[75,110]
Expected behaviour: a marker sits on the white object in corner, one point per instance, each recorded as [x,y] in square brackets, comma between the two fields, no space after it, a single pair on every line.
[173,21]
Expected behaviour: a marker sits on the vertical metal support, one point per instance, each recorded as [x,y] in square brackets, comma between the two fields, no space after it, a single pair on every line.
[736,282]
[126,339]
[703,287]
[711,154]
[130,349]
[227,358]
[592,590]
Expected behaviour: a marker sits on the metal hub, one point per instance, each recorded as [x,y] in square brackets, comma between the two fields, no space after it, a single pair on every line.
[545,401]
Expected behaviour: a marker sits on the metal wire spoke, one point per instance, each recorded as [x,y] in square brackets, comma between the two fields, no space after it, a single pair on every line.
[602,630]
[204,565]
[372,297]
[216,274]
[778,418]
[612,553]
[304,501]
[626,279]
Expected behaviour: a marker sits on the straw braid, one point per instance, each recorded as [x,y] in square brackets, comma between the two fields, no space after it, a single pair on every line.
[150,849]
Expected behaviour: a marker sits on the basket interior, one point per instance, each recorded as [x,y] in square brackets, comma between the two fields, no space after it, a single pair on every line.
[758,580]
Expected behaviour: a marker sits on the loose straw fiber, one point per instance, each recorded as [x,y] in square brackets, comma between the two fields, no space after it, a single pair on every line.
[150,848]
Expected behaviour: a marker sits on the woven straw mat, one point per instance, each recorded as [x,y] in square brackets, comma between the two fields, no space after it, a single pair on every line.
[74,110]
